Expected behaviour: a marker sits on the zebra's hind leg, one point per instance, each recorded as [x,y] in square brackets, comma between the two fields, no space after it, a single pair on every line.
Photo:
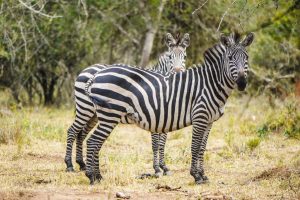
[73,131]
[79,142]
[155,149]
[94,144]
[97,173]
[162,143]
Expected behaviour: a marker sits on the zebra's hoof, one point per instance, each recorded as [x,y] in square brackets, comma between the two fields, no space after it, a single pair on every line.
[81,165]
[91,178]
[98,177]
[205,178]
[201,181]
[158,174]
[167,173]
[70,169]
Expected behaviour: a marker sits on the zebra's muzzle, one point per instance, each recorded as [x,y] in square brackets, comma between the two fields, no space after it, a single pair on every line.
[179,69]
[241,83]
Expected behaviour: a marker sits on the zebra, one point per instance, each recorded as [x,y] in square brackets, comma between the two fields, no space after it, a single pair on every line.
[166,103]
[169,62]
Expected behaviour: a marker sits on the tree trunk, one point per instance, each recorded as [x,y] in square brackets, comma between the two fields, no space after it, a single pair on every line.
[150,35]
[48,82]
[152,27]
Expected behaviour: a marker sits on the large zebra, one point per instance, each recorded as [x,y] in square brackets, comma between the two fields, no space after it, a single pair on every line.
[162,104]
[169,62]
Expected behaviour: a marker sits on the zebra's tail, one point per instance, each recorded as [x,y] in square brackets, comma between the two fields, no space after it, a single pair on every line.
[96,100]
[89,83]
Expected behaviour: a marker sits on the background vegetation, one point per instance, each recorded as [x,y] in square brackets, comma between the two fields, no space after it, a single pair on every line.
[253,151]
[45,44]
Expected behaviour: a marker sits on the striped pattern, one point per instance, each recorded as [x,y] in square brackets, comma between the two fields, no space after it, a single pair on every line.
[167,103]
[170,62]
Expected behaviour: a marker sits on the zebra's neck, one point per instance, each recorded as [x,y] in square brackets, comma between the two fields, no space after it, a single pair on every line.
[214,69]
[162,64]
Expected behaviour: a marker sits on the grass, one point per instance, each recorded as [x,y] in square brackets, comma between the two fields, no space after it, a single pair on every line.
[253,143]
[240,162]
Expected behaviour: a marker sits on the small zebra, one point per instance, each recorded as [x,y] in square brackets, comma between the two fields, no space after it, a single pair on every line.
[170,62]
[166,103]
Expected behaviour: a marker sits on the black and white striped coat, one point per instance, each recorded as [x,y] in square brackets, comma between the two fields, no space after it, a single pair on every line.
[167,103]
[170,62]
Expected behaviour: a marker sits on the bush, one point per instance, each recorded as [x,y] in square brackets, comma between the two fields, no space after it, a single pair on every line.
[253,143]
[284,120]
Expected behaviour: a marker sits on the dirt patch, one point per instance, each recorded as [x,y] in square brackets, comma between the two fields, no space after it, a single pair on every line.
[68,195]
[215,196]
[20,195]
[50,157]
[278,172]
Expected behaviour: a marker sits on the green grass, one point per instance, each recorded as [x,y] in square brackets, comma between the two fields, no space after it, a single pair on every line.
[239,162]
[253,143]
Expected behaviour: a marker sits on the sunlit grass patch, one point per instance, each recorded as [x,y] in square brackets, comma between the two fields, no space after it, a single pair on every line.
[253,143]
[229,163]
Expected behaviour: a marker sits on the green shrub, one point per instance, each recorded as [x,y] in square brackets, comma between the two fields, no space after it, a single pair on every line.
[284,120]
[253,143]
[263,130]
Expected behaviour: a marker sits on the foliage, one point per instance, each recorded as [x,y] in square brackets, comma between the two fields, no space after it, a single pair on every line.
[285,120]
[253,143]
[44,44]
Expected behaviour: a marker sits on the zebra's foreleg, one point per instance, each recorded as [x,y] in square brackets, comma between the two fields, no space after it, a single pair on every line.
[162,143]
[94,144]
[198,131]
[201,152]
[79,142]
[155,148]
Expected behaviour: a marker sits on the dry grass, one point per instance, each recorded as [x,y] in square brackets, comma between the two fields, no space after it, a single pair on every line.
[33,167]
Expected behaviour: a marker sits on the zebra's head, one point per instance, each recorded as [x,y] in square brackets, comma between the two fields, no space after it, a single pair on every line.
[176,53]
[236,58]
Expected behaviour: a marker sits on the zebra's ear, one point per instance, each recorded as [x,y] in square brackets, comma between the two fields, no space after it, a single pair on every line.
[185,41]
[248,40]
[225,40]
[170,41]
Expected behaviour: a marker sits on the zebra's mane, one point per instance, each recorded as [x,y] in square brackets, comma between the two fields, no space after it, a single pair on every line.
[153,71]
[234,39]
[150,67]
[211,50]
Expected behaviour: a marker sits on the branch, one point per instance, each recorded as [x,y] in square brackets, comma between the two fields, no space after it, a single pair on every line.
[199,7]
[269,80]
[296,5]
[118,26]
[24,39]
[225,14]
[38,11]
[255,73]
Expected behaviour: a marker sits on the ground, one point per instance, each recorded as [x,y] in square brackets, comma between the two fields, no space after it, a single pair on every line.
[239,164]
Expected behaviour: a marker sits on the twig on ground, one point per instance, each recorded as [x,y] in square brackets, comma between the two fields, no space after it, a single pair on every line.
[38,11]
